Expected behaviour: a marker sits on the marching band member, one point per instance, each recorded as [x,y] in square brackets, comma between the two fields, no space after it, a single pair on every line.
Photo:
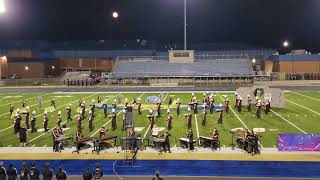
[236,99]
[17,122]
[267,104]
[124,118]
[226,104]
[204,115]
[55,135]
[139,106]
[53,103]
[79,137]
[220,121]
[80,102]
[33,122]
[11,108]
[79,120]
[258,109]
[113,117]
[158,109]
[169,120]
[211,103]
[59,118]
[83,110]
[105,108]
[126,104]
[195,105]
[129,107]
[93,107]
[188,116]
[24,103]
[69,113]
[166,143]
[91,117]
[151,118]
[178,103]
[239,103]
[99,99]
[45,121]
[102,133]
[204,99]
[170,101]
[215,138]
[114,104]
[249,103]
[131,132]
[27,113]
[134,101]
[190,138]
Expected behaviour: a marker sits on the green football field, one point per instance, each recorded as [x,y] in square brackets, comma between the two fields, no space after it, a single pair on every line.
[300,115]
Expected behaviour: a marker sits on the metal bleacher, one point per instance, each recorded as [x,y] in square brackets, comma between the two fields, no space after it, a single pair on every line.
[207,67]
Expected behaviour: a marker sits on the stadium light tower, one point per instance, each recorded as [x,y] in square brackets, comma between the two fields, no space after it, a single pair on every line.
[185,24]
[2,7]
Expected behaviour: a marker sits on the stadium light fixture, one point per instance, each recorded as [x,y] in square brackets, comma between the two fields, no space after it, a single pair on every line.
[26,68]
[285,44]
[253,61]
[115,14]
[2,7]
[52,67]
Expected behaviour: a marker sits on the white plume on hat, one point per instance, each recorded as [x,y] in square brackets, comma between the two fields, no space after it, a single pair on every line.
[178,99]
[92,100]
[18,110]
[45,112]
[204,94]
[27,108]
[84,102]
[113,110]
[248,95]
[259,101]
[115,100]
[150,110]
[33,112]
[235,93]
[124,110]
[204,105]
[168,111]
[189,109]
[139,99]
[59,112]
[126,100]
[90,111]
[69,104]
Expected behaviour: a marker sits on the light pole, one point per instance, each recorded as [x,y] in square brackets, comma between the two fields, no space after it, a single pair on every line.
[185,24]
[253,62]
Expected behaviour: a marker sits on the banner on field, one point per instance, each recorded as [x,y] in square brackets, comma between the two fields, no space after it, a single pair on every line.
[299,142]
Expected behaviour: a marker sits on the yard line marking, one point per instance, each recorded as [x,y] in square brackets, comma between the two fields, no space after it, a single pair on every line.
[303,107]
[36,115]
[145,134]
[195,118]
[44,146]
[235,113]
[305,96]
[61,123]
[239,118]
[33,145]
[9,145]
[27,105]
[25,99]
[288,121]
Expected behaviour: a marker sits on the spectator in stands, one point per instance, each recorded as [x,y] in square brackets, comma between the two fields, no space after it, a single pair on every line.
[87,175]
[47,173]
[97,174]
[12,172]
[34,172]
[24,172]
[61,174]
[3,172]
[157,176]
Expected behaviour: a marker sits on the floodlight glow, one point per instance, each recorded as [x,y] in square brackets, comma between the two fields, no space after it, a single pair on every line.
[26,68]
[115,15]
[285,43]
[253,61]
[2,6]
[52,67]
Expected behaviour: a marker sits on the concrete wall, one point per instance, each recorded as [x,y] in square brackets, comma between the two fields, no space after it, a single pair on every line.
[292,66]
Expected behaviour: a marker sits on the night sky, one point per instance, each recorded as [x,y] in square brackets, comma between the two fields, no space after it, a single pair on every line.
[265,23]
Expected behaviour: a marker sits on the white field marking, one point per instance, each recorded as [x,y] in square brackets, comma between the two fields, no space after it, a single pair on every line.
[238,118]
[288,121]
[61,123]
[9,145]
[145,134]
[44,146]
[305,96]
[25,99]
[29,106]
[36,115]
[195,118]
[33,145]
[303,107]
[235,113]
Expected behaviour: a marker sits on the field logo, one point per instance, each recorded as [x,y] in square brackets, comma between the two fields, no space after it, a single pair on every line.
[153,99]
